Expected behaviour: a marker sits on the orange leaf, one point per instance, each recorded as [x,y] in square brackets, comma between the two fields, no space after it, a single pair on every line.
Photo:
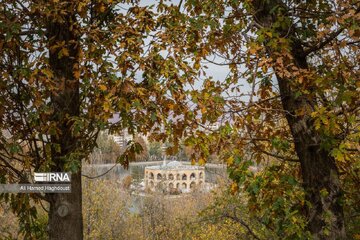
[103,87]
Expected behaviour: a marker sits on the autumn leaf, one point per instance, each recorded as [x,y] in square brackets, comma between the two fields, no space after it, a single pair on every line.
[77,74]
[102,87]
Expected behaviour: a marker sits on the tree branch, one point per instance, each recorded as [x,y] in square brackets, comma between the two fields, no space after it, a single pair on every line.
[320,45]
[243,223]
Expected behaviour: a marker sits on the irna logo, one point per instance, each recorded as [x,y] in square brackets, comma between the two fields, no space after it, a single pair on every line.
[52,177]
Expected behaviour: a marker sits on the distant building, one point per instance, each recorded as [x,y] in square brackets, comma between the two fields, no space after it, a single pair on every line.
[174,177]
[123,138]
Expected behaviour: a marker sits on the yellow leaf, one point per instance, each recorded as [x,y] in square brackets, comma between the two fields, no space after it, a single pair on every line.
[252,50]
[103,87]
[230,160]
[106,106]
[80,6]
[357,236]
[171,106]
[203,110]
[264,68]
[197,65]
[202,161]
[234,188]
[64,52]
[102,8]
[77,74]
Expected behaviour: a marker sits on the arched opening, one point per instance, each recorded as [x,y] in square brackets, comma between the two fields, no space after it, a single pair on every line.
[192,185]
[158,177]
[171,185]
[151,176]
[201,175]
[184,177]
[171,176]
[178,176]
[192,176]
[183,186]
[178,185]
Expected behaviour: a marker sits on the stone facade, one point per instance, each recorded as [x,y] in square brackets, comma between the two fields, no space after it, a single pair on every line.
[174,176]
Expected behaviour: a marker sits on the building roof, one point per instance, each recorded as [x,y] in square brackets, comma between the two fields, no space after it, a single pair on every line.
[174,165]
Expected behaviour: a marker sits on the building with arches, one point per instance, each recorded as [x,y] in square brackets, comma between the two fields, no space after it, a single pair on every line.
[174,177]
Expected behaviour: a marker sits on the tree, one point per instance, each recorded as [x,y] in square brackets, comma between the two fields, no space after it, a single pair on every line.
[107,150]
[65,69]
[155,150]
[300,59]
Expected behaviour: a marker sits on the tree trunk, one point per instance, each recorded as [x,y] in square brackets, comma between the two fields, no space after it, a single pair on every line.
[65,215]
[319,171]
